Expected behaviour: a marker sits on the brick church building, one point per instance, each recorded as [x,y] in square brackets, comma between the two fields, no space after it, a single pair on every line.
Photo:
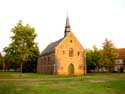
[66,56]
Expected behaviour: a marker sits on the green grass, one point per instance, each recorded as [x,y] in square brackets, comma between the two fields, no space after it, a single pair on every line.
[94,83]
[6,75]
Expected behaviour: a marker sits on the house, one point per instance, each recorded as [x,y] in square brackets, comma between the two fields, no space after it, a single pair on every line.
[119,62]
[65,56]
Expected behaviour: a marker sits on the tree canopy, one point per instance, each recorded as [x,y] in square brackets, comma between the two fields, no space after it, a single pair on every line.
[92,58]
[109,55]
[23,48]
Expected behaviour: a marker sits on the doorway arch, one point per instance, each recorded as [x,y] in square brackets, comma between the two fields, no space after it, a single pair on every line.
[71,69]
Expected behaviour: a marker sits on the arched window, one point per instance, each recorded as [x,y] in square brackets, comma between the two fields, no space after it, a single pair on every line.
[70,41]
[63,52]
[70,52]
[78,53]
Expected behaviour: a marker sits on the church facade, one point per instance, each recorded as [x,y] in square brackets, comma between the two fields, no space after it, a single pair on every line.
[66,56]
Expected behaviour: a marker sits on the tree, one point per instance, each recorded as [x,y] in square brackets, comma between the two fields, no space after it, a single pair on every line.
[92,58]
[109,55]
[2,63]
[32,61]
[23,48]
[0,60]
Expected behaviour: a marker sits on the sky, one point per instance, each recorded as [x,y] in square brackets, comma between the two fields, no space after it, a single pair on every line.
[91,20]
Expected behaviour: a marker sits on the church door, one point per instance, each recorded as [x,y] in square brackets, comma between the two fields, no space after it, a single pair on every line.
[71,69]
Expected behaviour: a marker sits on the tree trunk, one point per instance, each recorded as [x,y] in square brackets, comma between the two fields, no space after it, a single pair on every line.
[3,66]
[20,69]
[97,69]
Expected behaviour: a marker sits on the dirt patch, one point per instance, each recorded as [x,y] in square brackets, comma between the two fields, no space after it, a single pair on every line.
[97,81]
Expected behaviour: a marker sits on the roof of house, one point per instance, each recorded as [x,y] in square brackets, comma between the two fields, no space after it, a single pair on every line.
[121,53]
[51,47]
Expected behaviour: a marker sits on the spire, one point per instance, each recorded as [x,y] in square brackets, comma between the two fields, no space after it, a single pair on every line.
[67,22]
[67,27]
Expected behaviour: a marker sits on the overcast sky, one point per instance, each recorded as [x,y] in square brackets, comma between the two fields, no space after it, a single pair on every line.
[91,20]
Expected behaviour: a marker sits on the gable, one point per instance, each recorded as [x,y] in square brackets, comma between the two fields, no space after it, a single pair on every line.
[70,41]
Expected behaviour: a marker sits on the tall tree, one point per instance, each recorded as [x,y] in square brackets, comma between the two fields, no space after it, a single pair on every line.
[92,58]
[22,48]
[32,61]
[109,55]
[2,63]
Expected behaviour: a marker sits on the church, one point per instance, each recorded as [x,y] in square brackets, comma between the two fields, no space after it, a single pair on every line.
[65,56]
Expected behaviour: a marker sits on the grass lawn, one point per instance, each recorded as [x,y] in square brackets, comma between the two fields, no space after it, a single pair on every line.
[15,75]
[93,83]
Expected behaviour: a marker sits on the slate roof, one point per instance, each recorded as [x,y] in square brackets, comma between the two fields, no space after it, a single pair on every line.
[51,47]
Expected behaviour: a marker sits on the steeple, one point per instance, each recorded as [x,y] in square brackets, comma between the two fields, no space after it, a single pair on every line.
[67,27]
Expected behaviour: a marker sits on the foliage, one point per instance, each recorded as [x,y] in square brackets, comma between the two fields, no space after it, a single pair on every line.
[109,55]
[31,65]
[0,58]
[2,62]
[92,58]
[22,49]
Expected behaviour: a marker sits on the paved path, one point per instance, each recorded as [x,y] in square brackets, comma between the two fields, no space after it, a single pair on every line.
[7,79]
